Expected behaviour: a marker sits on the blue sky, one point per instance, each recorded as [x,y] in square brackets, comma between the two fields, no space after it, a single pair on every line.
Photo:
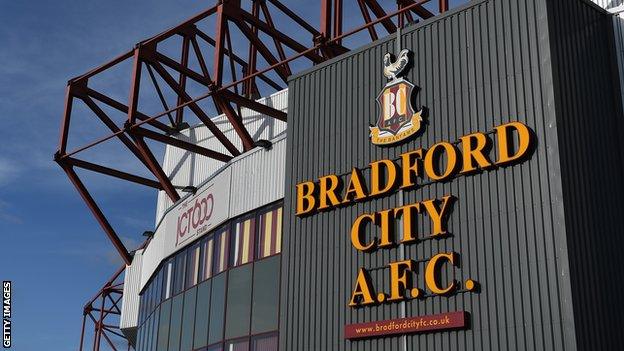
[50,246]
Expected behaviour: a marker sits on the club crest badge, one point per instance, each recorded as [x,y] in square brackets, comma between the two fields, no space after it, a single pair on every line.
[397,120]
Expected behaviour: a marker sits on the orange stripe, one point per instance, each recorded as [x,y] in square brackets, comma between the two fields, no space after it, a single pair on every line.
[245,242]
[268,234]
[278,232]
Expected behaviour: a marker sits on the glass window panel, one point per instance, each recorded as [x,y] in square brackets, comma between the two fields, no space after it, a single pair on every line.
[270,233]
[217,309]
[169,279]
[238,302]
[264,316]
[157,287]
[208,250]
[188,319]
[163,326]
[220,251]
[265,343]
[180,268]
[154,328]
[215,348]
[161,274]
[192,266]
[241,247]
[148,296]
[241,345]
[201,316]
[176,322]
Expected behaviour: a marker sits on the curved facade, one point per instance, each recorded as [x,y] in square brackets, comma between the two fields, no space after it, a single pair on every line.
[221,292]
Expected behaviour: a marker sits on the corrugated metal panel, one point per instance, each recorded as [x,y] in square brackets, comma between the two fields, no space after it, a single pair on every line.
[186,168]
[477,68]
[258,179]
[590,127]
[128,321]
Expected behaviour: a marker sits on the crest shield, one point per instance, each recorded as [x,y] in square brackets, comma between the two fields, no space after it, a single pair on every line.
[397,119]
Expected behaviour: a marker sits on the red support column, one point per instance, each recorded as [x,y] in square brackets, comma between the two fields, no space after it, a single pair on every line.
[338,20]
[182,79]
[444,5]
[326,18]
[133,99]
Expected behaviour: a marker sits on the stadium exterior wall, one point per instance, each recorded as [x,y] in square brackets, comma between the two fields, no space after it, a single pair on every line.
[521,231]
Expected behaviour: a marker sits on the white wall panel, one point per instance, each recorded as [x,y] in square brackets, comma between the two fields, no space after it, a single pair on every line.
[258,179]
[130,305]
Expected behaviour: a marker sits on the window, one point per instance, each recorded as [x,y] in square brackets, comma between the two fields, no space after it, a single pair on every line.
[201,316]
[242,345]
[270,233]
[179,270]
[238,302]
[192,265]
[188,319]
[220,251]
[207,257]
[264,343]
[176,322]
[217,310]
[167,279]
[163,328]
[243,234]
[264,314]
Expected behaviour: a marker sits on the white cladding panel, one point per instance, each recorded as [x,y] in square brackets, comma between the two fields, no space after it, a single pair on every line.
[607,4]
[249,181]
[258,179]
[130,304]
[187,168]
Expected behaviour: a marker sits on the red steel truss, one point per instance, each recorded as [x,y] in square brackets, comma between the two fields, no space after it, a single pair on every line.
[235,51]
[103,312]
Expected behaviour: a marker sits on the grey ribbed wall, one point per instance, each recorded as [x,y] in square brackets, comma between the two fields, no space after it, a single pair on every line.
[477,67]
[590,129]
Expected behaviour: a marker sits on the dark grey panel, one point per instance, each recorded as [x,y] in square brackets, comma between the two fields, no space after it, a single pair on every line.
[477,68]
[589,125]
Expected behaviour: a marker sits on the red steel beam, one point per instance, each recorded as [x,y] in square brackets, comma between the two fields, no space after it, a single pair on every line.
[219,43]
[254,105]
[326,10]
[123,108]
[444,6]
[300,21]
[97,213]
[133,100]
[154,166]
[238,60]
[113,172]
[263,49]
[367,19]
[180,144]
[196,109]
[381,13]
[66,120]
[113,127]
[276,42]
[338,13]
[236,122]
[276,34]
[182,78]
